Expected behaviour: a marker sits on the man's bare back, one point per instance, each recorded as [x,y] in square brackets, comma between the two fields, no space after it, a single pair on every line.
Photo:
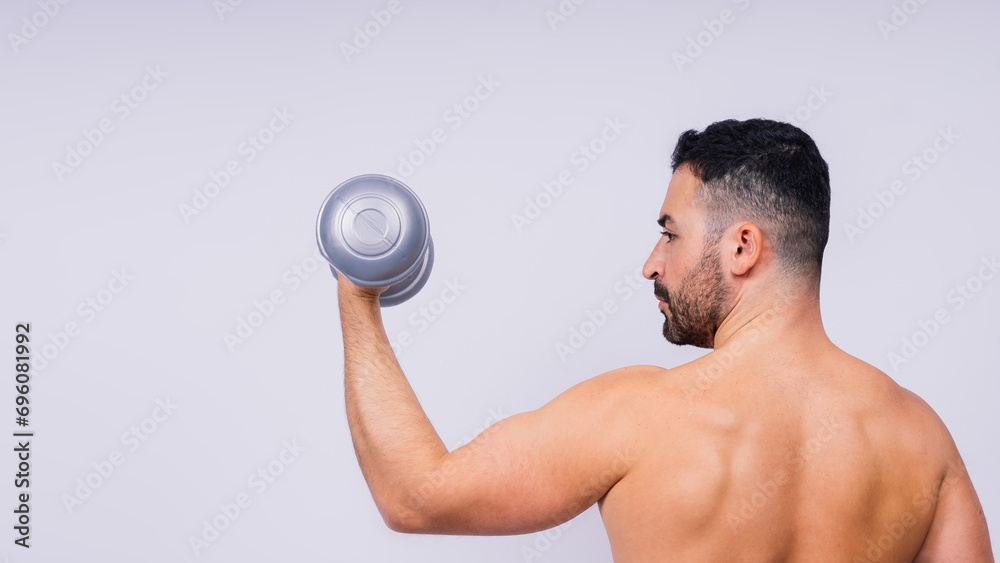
[787,456]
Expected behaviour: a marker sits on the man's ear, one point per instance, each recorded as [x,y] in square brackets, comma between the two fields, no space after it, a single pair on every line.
[743,248]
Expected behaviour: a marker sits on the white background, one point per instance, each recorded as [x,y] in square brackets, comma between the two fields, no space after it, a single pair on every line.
[493,351]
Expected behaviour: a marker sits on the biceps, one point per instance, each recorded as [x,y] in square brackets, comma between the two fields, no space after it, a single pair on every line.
[527,473]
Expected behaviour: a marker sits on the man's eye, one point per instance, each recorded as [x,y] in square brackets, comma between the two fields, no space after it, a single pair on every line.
[670,236]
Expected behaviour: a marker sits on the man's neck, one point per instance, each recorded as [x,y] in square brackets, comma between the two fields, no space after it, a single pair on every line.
[774,316]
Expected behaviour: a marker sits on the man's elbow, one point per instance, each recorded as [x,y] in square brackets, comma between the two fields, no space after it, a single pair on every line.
[404,522]
[417,505]
[404,517]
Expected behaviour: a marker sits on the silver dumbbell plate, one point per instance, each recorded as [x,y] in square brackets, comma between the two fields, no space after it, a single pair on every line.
[374,230]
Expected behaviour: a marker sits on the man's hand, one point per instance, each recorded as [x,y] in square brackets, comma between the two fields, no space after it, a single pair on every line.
[346,290]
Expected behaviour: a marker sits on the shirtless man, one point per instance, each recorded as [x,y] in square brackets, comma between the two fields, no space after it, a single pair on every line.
[774,446]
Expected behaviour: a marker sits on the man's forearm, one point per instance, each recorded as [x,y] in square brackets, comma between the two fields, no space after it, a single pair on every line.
[393,439]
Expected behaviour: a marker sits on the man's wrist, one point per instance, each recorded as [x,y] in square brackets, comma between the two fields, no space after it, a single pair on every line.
[349,291]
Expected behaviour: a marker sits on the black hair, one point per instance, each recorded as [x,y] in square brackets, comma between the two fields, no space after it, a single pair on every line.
[766,172]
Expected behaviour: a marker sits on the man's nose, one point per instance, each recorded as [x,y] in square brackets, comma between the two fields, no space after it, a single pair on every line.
[653,268]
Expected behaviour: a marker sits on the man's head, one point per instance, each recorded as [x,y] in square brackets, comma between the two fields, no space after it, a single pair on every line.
[749,203]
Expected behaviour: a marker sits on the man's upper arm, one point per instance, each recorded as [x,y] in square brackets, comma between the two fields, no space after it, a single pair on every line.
[533,470]
[958,531]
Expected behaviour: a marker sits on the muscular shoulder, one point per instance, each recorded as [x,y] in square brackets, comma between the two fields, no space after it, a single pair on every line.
[624,395]
[906,406]
[622,380]
[909,422]
[641,401]
[924,421]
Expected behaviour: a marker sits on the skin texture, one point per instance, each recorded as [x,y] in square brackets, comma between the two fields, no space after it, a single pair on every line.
[774,446]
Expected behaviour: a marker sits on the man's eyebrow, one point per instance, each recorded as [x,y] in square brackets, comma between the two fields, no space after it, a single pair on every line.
[666,218]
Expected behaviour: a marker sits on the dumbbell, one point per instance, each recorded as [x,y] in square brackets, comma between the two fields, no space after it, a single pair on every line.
[374,231]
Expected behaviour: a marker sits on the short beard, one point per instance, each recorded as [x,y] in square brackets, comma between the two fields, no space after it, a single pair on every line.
[698,303]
